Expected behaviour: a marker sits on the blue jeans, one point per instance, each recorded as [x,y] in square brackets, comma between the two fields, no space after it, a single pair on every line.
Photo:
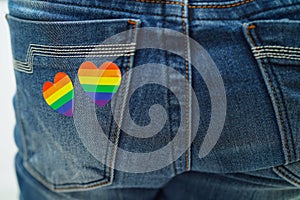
[253,44]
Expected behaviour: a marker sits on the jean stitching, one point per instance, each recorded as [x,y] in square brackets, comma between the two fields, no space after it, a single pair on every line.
[286,141]
[22,130]
[222,6]
[122,105]
[196,6]
[227,2]
[52,186]
[286,175]
[82,46]
[26,68]
[187,153]
[58,48]
[252,14]
[81,50]
[108,8]
[50,53]
[285,108]
[280,56]
[162,2]
[113,50]
[171,123]
[257,48]
[170,15]
[32,47]
[276,52]
[281,109]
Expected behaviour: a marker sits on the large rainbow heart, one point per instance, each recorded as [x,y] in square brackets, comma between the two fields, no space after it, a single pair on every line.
[60,94]
[100,84]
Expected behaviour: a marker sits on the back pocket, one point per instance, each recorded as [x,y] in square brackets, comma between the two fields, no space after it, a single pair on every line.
[48,142]
[276,46]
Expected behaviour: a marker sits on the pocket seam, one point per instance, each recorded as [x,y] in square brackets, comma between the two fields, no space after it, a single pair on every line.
[127,79]
[285,174]
[102,50]
[205,5]
[282,125]
[58,187]
[281,52]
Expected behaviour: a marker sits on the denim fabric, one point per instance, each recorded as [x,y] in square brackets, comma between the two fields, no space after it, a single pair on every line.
[255,45]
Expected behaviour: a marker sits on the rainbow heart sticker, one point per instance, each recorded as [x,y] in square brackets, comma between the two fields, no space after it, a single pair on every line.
[60,94]
[100,84]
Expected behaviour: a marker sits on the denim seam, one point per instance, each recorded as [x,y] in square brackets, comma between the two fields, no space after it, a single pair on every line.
[283,172]
[171,123]
[283,48]
[196,6]
[108,8]
[279,56]
[33,47]
[285,108]
[170,15]
[247,16]
[57,187]
[286,141]
[22,130]
[81,51]
[84,46]
[23,67]
[122,105]
[276,52]
[187,137]
[216,3]
[22,171]
[282,107]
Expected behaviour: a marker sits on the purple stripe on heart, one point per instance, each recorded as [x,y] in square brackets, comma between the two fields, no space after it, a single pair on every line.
[101,103]
[66,107]
[69,113]
[100,96]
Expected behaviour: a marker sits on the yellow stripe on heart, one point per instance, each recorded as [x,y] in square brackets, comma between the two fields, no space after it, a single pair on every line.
[59,93]
[100,81]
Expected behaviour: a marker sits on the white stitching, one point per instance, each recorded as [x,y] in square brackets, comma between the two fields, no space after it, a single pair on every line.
[80,52]
[27,67]
[280,52]
[82,46]
[274,56]
[277,54]
[83,55]
[103,50]
[85,49]
[36,46]
[216,3]
[274,47]
[76,56]
[276,50]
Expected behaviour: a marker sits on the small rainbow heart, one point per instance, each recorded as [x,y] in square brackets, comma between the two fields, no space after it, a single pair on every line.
[100,84]
[60,94]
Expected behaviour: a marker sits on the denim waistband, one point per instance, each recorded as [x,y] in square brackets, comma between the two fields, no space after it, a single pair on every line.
[194,9]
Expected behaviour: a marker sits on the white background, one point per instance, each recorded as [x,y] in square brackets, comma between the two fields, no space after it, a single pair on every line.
[8,182]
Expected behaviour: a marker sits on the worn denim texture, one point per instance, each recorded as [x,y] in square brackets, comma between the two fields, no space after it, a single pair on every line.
[255,45]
